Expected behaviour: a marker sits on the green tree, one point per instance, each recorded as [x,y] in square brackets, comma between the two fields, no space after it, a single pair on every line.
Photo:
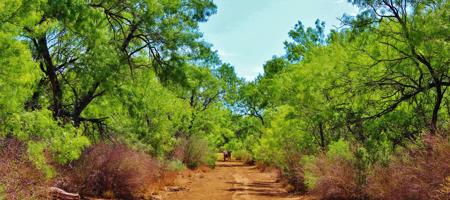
[405,52]
[85,48]
[17,71]
[304,39]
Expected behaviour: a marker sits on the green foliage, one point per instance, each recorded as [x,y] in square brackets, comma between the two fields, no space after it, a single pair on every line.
[196,152]
[74,73]
[2,195]
[244,156]
[304,40]
[353,96]
[337,151]
[41,132]
[274,66]
[340,150]
[286,136]
[37,156]
[175,165]
[310,179]
[18,71]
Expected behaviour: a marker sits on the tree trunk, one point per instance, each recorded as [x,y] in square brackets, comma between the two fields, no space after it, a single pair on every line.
[322,136]
[262,119]
[82,102]
[33,102]
[437,106]
[50,72]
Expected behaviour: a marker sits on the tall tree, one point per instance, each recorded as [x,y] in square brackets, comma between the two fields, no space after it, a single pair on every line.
[85,48]
[407,44]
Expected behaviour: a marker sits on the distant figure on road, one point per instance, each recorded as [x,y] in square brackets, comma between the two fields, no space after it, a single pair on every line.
[226,155]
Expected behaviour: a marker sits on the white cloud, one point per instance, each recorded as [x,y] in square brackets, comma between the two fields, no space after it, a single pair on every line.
[249,73]
[224,54]
[340,1]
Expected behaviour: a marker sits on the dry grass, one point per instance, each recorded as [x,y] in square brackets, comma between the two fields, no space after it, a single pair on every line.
[415,174]
[420,173]
[194,152]
[19,178]
[291,173]
[337,179]
[443,192]
[116,171]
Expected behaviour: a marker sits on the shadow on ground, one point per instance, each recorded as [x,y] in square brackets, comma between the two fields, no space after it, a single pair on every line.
[229,164]
[259,188]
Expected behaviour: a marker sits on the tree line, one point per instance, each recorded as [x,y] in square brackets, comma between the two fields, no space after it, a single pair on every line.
[76,74]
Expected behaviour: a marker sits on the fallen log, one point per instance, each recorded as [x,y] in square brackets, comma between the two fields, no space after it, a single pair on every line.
[60,194]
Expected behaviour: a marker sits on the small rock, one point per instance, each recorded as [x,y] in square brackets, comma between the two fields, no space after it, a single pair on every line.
[198,176]
[175,188]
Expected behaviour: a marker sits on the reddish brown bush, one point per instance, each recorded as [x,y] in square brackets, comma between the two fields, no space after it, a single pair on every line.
[19,178]
[443,193]
[414,174]
[337,179]
[115,170]
[293,172]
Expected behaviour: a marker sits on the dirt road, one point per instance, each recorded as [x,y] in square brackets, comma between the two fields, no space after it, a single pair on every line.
[229,181]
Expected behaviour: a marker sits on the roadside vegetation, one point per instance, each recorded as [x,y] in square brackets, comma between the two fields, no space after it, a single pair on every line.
[112,98]
[361,112]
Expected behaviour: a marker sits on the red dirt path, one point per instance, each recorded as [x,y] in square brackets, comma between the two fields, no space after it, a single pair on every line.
[229,181]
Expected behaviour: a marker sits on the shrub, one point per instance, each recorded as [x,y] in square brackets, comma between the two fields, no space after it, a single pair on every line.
[19,178]
[333,175]
[443,193]
[339,150]
[293,171]
[414,173]
[286,157]
[115,170]
[309,169]
[194,152]
[333,178]
[175,165]
[42,134]
[244,156]
[283,143]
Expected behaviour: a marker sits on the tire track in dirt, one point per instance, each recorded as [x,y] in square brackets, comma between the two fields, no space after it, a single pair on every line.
[230,181]
[241,195]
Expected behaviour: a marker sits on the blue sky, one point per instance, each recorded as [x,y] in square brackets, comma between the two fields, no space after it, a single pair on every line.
[246,33]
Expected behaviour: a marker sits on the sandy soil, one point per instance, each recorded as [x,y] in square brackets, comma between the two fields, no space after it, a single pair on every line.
[228,181]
